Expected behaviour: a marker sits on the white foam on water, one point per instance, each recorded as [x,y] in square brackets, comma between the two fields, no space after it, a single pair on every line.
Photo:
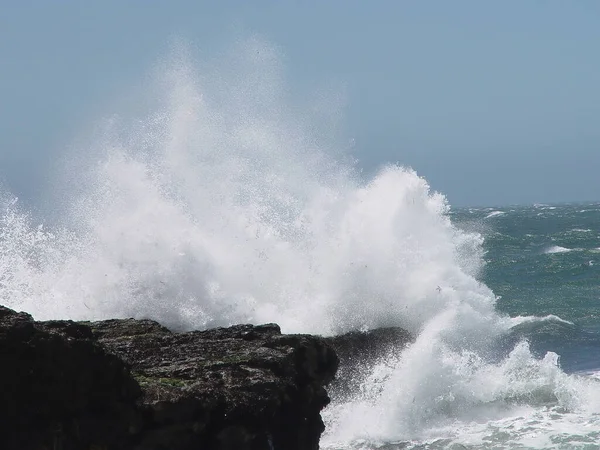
[224,203]
[517,320]
[495,214]
[462,399]
[557,249]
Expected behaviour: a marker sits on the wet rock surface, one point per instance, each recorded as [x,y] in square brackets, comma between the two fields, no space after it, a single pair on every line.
[59,388]
[361,345]
[133,384]
[228,388]
[359,352]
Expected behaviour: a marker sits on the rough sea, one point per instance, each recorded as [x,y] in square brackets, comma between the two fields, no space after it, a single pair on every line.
[222,201]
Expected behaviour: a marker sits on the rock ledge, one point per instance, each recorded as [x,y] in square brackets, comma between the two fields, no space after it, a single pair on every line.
[134,385]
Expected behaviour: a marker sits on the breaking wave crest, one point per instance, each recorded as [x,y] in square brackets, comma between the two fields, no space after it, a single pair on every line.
[226,203]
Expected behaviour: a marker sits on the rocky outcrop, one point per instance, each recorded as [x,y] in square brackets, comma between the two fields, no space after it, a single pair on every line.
[131,384]
[358,346]
[243,387]
[134,385]
[60,389]
[359,352]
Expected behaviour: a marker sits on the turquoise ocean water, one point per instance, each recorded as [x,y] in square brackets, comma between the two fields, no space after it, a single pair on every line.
[545,260]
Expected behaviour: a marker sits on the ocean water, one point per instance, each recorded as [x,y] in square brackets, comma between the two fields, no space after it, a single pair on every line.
[221,200]
[544,260]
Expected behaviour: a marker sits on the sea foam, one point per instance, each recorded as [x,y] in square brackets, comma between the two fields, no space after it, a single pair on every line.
[225,202]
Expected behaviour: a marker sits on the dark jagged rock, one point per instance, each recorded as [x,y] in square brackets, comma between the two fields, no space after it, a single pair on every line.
[359,351]
[369,344]
[228,388]
[60,389]
[132,384]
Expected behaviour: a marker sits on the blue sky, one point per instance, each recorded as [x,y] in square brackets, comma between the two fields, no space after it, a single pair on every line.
[493,102]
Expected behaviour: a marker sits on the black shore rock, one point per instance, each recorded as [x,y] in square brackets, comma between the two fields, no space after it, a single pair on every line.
[134,385]
[359,351]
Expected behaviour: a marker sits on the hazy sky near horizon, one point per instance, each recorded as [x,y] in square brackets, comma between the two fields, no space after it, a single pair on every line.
[492,102]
